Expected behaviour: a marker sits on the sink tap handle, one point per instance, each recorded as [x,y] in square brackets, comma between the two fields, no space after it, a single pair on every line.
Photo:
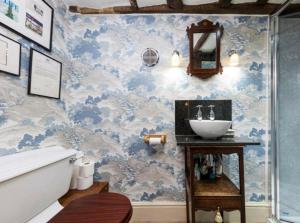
[211,113]
[198,106]
[199,114]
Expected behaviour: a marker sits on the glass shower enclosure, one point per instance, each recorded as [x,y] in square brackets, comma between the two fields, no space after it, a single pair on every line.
[286,117]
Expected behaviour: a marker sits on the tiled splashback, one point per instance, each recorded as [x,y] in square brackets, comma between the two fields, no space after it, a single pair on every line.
[186,109]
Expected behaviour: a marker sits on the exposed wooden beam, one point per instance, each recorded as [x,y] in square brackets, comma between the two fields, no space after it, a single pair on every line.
[224,3]
[261,2]
[282,8]
[212,8]
[175,4]
[86,10]
[120,10]
[134,5]
[292,8]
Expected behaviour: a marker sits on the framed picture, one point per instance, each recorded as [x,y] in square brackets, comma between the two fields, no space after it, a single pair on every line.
[32,19]
[10,56]
[44,75]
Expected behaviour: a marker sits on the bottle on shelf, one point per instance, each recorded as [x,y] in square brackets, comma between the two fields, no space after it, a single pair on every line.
[212,174]
[219,167]
[197,167]
[204,167]
[197,172]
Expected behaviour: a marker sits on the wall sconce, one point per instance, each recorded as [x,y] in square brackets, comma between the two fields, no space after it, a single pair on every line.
[234,59]
[175,61]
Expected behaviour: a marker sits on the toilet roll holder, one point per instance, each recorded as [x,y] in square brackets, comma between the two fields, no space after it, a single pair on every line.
[163,138]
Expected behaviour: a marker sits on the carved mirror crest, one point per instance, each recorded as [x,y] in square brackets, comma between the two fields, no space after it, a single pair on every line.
[205,46]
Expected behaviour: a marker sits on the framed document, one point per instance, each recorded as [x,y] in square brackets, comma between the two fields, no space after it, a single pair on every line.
[10,56]
[44,75]
[32,19]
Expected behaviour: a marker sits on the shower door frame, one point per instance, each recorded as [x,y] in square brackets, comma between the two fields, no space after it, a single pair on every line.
[274,41]
[274,20]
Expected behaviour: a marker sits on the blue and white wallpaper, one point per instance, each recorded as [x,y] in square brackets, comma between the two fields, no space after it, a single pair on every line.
[110,100]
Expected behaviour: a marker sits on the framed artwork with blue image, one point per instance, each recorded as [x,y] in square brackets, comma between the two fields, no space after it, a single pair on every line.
[32,19]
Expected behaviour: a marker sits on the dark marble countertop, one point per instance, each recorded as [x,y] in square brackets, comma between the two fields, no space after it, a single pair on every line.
[183,140]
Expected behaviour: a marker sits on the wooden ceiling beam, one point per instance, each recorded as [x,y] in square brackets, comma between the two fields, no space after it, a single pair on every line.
[212,8]
[86,10]
[134,5]
[292,8]
[224,3]
[175,4]
[282,8]
[261,2]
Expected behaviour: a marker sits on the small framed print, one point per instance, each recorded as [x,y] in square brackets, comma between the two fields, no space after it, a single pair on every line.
[10,56]
[32,19]
[44,75]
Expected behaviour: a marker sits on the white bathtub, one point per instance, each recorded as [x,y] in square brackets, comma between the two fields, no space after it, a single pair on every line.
[31,181]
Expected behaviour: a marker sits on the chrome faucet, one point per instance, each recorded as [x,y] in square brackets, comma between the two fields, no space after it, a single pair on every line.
[211,113]
[199,114]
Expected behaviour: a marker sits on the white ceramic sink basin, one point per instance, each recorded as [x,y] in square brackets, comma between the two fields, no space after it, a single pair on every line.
[210,129]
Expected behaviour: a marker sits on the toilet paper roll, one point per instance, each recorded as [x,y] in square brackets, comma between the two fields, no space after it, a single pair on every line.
[155,141]
[75,174]
[84,182]
[86,169]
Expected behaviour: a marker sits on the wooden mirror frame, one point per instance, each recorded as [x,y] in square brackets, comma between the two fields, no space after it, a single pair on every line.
[205,26]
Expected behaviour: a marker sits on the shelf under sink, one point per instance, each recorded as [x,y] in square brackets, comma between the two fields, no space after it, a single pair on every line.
[219,187]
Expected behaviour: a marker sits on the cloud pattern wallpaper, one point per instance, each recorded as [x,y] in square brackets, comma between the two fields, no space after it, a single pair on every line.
[110,99]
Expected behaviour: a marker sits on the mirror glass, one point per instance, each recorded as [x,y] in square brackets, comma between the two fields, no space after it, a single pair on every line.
[205,50]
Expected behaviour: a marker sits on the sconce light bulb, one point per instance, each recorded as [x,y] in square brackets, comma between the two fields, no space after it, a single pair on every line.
[234,59]
[175,58]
